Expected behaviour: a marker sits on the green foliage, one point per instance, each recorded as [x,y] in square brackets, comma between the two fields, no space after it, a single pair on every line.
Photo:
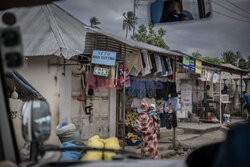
[243,64]
[231,90]
[245,113]
[248,62]
[149,36]
[129,22]
[213,60]
[230,57]
[93,22]
[197,55]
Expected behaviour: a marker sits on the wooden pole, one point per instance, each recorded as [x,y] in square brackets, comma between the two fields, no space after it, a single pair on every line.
[124,100]
[220,100]
[174,78]
[241,101]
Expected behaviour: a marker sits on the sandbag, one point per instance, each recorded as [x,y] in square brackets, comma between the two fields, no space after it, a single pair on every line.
[111,143]
[69,155]
[69,136]
[95,142]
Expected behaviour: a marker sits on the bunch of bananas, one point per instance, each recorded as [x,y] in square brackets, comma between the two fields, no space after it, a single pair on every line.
[131,117]
[132,137]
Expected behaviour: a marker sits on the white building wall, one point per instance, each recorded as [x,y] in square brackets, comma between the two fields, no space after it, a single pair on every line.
[102,120]
[59,90]
[44,79]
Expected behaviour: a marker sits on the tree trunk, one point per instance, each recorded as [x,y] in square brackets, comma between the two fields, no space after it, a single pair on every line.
[126,32]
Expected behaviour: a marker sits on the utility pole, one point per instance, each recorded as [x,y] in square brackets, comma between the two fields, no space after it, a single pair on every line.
[134,15]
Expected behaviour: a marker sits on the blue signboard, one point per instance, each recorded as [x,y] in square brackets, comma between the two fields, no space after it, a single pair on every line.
[104,57]
[192,64]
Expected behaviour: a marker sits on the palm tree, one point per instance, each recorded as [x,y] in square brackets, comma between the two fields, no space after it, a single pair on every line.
[129,22]
[93,22]
[230,57]
[197,55]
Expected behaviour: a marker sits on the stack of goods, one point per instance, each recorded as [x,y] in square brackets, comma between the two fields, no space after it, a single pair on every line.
[97,142]
[69,137]
[131,117]
[94,142]
[132,138]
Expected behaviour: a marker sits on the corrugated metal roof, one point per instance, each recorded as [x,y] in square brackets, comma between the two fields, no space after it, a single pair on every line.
[135,44]
[49,30]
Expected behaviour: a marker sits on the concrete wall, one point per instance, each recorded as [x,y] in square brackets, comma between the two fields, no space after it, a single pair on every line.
[102,121]
[44,79]
[60,91]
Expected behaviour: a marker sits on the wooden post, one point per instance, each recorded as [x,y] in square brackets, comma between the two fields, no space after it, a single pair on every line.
[220,100]
[124,100]
[241,101]
[175,79]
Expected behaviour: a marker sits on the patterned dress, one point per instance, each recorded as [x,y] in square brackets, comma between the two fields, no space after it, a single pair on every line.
[149,129]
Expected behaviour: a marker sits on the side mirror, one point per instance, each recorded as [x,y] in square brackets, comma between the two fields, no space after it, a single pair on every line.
[36,122]
[165,11]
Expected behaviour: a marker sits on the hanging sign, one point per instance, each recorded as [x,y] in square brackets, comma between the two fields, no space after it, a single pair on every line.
[209,75]
[191,64]
[101,71]
[104,57]
[216,77]
[198,66]
[185,63]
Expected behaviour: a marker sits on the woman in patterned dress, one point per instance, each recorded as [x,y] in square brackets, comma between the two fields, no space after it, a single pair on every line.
[149,124]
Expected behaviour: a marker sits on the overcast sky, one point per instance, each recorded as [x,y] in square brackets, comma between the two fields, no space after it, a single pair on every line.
[210,37]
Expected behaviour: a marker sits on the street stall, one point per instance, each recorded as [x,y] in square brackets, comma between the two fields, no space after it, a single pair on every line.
[150,81]
[142,71]
[201,90]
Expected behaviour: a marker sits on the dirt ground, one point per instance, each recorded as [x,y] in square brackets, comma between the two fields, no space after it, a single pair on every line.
[184,148]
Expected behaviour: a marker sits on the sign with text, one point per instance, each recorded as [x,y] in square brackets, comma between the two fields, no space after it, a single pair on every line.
[198,67]
[185,63]
[101,71]
[191,64]
[104,57]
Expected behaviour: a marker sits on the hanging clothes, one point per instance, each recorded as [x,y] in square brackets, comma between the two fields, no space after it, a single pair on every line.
[171,120]
[143,61]
[170,67]
[147,69]
[141,89]
[172,89]
[158,64]
[174,104]
[132,89]
[150,88]
[163,66]
[152,58]
[148,101]
[127,76]
[149,146]
[134,61]
[164,58]
[136,103]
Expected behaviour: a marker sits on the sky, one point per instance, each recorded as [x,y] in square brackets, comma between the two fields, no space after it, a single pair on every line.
[227,30]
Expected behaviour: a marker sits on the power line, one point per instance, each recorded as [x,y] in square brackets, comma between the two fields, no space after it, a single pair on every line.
[237,6]
[234,18]
[230,9]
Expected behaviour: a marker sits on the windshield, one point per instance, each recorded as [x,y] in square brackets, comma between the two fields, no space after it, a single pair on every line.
[115,78]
